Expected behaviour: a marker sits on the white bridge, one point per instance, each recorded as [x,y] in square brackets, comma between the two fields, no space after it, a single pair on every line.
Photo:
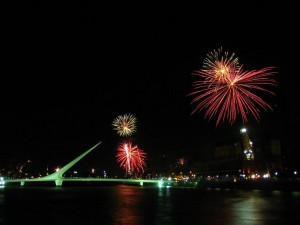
[58,178]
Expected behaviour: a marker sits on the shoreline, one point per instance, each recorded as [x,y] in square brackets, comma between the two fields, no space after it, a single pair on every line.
[252,185]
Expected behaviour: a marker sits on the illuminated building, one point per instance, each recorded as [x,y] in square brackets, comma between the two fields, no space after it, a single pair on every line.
[242,157]
[247,145]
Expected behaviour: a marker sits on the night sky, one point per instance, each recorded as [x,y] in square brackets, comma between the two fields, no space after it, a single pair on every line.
[69,68]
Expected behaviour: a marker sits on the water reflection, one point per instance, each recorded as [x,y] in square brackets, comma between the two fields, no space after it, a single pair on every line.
[163,209]
[136,205]
[258,208]
[126,205]
[1,207]
[249,211]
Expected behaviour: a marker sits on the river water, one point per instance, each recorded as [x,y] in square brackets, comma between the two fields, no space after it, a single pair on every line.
[134,205]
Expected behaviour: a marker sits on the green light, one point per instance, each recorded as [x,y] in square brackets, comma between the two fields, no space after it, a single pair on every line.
[160,184]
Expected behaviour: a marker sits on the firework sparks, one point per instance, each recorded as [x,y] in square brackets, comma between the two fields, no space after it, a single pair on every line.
[218,63]
[130,157]
[125,125]
[234,95]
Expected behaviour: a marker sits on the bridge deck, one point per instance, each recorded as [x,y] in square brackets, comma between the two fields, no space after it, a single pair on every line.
[160,183]
[58,178]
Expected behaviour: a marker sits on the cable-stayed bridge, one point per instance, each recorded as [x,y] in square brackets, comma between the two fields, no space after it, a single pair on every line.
[58,178]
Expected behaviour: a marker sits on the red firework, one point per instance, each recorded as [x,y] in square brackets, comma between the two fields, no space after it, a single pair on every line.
[232,95]
[130,157]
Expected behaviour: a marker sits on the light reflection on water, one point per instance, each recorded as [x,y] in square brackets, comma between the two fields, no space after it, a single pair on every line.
[265,208]
[132,206]
[122,205]
[1,207]
[126,202]
[252,210]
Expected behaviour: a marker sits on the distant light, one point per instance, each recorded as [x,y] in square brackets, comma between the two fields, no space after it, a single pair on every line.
[243,130]
[160,184]
[2,182]
[295,172]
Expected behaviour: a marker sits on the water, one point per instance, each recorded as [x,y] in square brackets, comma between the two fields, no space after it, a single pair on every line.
[134,205]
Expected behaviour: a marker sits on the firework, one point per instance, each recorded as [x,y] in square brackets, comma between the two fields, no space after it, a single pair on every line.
[125,125]
[218,63]
[234,95]
[130,157]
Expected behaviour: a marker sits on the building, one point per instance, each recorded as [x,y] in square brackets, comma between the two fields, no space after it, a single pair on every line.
[244,158]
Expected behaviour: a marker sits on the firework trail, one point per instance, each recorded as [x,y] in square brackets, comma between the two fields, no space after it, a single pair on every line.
[125,125]
[130,157]
[235,93]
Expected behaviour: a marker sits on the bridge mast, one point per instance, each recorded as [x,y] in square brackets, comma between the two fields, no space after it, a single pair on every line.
[58,175]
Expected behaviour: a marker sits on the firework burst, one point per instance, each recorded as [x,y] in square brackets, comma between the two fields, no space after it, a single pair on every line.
[218,63]
[232,95]
[125,125]
[130,157]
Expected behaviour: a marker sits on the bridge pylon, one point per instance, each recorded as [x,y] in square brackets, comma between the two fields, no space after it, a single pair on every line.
[58,175]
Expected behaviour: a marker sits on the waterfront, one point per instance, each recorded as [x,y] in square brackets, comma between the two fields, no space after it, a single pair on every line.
[123,204]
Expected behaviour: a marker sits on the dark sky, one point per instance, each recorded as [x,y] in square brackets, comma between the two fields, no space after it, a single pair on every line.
[69,68]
